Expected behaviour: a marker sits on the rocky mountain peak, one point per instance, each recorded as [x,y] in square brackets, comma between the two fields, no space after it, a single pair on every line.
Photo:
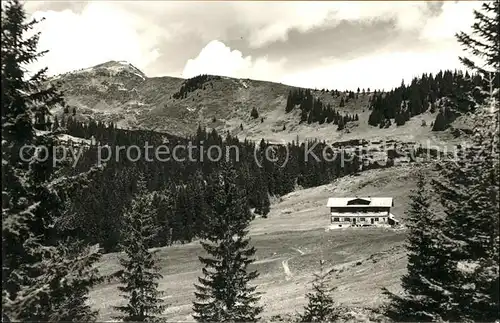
[120,66]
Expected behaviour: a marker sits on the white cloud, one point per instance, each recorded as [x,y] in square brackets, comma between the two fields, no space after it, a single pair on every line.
[272,21]
[380,70]
[134,31]
[455,17]
[218,59]
[102,32]
[383,70]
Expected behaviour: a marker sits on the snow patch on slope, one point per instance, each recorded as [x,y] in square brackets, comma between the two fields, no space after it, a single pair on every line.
[120,66]
[64,137]
[68,138]
[244,84]
[114,67]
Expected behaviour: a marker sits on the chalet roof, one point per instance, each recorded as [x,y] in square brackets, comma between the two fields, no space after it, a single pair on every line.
[358,214]
[360,201]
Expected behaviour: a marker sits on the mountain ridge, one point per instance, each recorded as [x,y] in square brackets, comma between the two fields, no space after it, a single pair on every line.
[118,92]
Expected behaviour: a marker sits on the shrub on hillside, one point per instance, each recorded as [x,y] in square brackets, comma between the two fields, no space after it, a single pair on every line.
[254,114]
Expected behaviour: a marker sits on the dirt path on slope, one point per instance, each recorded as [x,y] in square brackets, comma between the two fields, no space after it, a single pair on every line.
[286,268]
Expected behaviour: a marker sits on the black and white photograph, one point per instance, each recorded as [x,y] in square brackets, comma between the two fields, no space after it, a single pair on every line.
[250,161]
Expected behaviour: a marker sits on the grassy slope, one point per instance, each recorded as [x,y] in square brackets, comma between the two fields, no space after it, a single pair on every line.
[290,243]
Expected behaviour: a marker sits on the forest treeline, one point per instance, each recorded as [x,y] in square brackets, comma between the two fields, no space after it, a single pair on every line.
[313,110]
[450,93]
[195,83]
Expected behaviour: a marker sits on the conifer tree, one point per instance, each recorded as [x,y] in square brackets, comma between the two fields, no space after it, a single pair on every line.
[341,124]
[440,123]
[466,245]
[320,306]
[264,204]
[224,293]
[483,43]
[141,272]
[35,268]
[55,125]
[484,40]
[75,273]
[420,301]
[163,202]
[254,114]
[469,192]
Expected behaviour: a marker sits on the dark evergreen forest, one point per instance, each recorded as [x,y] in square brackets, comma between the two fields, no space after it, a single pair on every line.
[450,93]
[181,184]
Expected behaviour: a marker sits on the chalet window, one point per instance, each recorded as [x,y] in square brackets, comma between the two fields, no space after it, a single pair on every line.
[383,219]
[335,219]
[358,201]
[347,219]
[376,219]
[361,219]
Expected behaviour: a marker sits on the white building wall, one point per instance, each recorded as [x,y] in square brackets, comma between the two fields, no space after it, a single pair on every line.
[346,219]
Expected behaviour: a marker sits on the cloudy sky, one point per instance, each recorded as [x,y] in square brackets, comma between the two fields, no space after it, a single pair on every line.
[337,45]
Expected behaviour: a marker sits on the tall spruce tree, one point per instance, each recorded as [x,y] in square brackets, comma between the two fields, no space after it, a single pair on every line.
[484,40]
[466,244]
[224,292]
[320,306]
[420,301]
[42,280]
[141,272]
[163,203]
[73,274]
[469,192]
